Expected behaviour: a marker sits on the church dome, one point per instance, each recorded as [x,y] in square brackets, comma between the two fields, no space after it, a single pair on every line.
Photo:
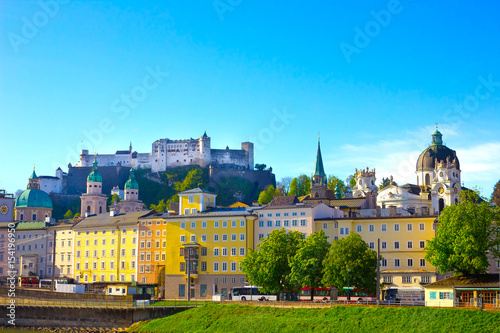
[34,198]
[94,176]
[131,183]
[437,152]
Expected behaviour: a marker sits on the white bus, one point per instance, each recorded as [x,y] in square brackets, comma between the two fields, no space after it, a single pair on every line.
[251,293]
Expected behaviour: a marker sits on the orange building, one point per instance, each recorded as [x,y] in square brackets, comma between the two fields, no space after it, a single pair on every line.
[151,253]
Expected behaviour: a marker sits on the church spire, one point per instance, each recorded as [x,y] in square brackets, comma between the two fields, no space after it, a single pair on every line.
[319,172]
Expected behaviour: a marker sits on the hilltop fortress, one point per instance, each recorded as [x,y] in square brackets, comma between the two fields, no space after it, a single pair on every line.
[168,153]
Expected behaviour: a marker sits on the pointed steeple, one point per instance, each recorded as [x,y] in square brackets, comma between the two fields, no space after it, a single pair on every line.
[130,147]
[319,171]
[33,175]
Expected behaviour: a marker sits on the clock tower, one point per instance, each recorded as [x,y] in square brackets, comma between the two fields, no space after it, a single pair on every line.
[6,207]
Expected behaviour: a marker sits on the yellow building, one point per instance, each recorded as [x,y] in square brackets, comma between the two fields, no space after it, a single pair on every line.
[106,248]
[64,256]
[402,243]
[206,243]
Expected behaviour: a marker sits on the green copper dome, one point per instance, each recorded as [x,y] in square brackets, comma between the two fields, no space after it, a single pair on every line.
[94,176]
[34,198]
[131,183]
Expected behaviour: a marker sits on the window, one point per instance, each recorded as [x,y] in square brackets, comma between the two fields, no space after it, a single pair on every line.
[325,225]
[384,245]
[216,266]
[269,215]
[242,237]
[204,224]
[224,251]
[410,245]
[224,224]
[303,223]
[387,279]
[261,224]
[421,226]
[233,268]
[194,210]
[186,211]
[294,223]
[409,227]
[425,279]
[371,228]
[216,237]
[182,290]
[242,223]
[234,237]
[193,238]
[342,231]
[269,224]
[183,238]
[406,279]
[285,214]
[286,223]
[422,244]
[216,251]
[183,225]
[203,238]
[294,214]
[396,262]
[422,262]
[216,224]
[242,251]
[224,237]
[224,267]
[384,227]
[359,228]
[261,215]
[396,245]
[182,267]
[277,223]
[409,262]
[371,245]
[234,224]
[233,252]
[203,251]
[193,225]
[383,263]
[396,226]
[261,236]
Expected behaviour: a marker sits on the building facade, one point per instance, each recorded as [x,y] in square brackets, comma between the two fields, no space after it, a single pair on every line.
[205,247]
[34,246]
[106,248]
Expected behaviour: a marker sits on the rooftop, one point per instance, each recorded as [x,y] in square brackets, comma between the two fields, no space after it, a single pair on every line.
[106,220]
[470,281]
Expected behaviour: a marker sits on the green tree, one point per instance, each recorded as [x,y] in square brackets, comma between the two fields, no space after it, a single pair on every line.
[270,266]
[332,184]
[294,191]
[76,215]
[351,180]
[267,195]
[260,166]
[467,231]
[284,185]
[351,258]
[307,264]
[495,196]
[303,185]
[115,199]
[68,215]
[195,178]
[160,207]
[386,182]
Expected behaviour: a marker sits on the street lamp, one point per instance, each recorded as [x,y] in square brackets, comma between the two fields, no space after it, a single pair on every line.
[348,286]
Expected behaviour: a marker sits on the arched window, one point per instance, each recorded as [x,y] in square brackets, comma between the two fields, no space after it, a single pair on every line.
[441,205]
[427,179]
[100,210]
[88,209]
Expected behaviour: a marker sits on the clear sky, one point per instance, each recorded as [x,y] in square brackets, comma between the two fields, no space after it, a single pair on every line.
[372,77]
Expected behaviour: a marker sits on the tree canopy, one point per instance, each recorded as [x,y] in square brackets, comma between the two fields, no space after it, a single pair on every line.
[386,182]
[270,266]
[160,207]
[300,186]
[467,231]
[267,195]
[307,264]
[351,256]
[68,215]
[332,184]
[260,166]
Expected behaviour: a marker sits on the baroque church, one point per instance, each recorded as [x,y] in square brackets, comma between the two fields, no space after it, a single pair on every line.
[94,201]
[438,184]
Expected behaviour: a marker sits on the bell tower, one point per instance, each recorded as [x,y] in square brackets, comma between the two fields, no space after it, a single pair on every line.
[319,185]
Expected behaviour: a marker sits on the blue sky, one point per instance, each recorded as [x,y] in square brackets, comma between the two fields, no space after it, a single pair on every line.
[373,77]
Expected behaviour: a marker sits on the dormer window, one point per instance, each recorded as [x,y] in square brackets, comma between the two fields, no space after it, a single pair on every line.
[190,199]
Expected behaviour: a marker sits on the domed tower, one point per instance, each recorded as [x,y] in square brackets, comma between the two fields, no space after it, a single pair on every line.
[130,202]
[365,183]
[131,191]
[438,173]
[93,202]
[33,204]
